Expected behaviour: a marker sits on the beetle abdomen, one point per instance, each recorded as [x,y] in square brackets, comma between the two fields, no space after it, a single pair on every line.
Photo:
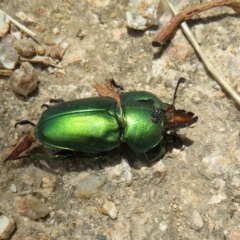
[87,125]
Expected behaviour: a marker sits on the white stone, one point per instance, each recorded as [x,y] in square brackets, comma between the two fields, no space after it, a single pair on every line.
[13,188]
[128,175]
[163,226]
[8,56]
[4,24]
[197,220]
[89,185]
[217,198]
[142,14]
[109,208]
[7,226]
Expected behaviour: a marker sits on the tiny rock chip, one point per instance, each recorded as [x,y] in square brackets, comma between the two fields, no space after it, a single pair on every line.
[23,80]
[25,48]
[197,220]
[127,172]
[142,14]
[89,185]
[8,56]
[56,52]
[13,188]
[53,40]
[41,50]
[31,207]
[4,24]
[109,208]
[7,226]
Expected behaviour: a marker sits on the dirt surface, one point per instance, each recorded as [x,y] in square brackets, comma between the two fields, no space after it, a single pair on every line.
[189,194]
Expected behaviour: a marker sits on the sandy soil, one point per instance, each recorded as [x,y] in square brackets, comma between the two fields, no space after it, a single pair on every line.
[189,194]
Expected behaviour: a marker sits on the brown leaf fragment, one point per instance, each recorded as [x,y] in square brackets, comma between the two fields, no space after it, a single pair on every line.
[22,146]
[186,14]
[107,90]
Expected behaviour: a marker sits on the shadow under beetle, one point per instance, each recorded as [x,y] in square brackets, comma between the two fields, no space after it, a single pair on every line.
[91,127]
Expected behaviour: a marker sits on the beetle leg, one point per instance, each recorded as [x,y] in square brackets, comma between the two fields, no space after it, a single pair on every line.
[172,140]
[68,154]
[157,152]
[25,144]
[52,100]
[45,105]
[57,100]
[25,122]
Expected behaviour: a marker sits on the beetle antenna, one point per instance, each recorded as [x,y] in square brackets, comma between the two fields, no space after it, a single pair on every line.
[25,122]
[180,80]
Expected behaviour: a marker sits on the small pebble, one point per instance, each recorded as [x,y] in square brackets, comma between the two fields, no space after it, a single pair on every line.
[163,226]
[4,24]
[31,207]
[196,99]
[7,226]
[8,39]
[197,220]
[128,175]
[56,52]
[8,56]
[56,31]
[121,171]
[215,199]
[23,80]
[89,185]
[53,40]
[109,208]
[25,18]
[41,50]
[74,54]
[13,188]
[25,48]
[143,14]
[16,34]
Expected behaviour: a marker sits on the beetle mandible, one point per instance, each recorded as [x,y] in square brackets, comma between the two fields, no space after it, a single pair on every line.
[93,126]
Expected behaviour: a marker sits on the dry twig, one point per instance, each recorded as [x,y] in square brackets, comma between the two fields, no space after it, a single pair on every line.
[187,14]
[47,61]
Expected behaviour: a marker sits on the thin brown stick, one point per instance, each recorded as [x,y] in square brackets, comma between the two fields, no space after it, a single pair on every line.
[187,14]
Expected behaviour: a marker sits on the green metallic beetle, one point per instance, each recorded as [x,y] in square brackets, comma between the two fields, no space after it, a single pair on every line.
[94,126]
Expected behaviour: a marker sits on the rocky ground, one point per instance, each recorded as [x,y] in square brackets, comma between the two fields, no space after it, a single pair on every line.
[189,194]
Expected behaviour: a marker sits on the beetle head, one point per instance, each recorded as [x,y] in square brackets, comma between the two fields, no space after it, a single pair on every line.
[177,119]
